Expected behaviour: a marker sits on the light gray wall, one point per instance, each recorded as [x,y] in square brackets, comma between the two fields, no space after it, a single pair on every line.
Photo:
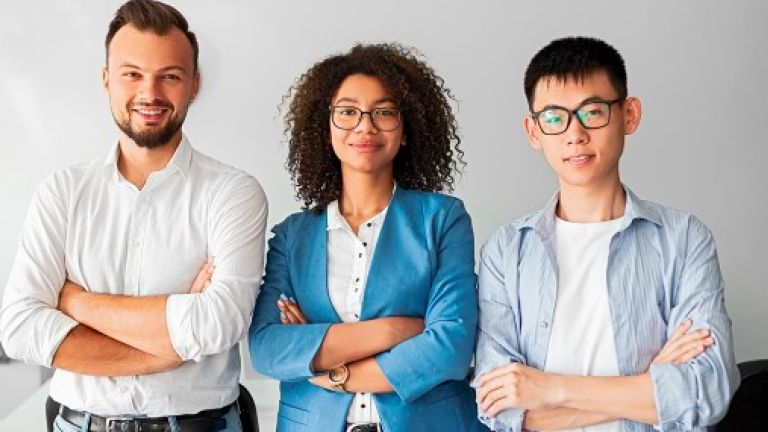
[700,68]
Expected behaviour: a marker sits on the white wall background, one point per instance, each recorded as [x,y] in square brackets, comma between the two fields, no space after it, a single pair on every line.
[699,67]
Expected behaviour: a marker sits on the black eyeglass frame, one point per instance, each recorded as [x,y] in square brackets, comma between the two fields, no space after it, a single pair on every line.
[573,113]
[370,115]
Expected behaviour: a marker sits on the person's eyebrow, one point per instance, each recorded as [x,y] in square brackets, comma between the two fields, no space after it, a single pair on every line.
[174,68]
[384,100]
[356,101]
[592,99]
[580,104]
[164,69]
[346,99]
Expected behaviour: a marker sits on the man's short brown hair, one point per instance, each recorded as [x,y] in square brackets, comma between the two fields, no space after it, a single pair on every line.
[151,15]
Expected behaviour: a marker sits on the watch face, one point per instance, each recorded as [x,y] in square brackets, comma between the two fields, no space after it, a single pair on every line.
[338,374]
[334,374]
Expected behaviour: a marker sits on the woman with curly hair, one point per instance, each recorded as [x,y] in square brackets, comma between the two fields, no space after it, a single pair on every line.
[368,309]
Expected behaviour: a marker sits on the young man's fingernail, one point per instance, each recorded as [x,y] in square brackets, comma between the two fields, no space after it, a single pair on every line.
[282,315]
[293,300]
[283,297]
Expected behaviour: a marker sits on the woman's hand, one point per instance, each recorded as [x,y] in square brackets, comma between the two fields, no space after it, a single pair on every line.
[289,311]
[683,346]
[203,279]
[321,381]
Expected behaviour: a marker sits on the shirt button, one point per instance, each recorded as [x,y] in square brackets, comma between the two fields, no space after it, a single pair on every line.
[544,324]
[365,244]
[357,279]
[368,224]
[360,255]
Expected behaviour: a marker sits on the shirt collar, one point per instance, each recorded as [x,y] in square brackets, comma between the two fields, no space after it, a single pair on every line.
[182,158]
[180,161]
[543,221]
[335,220]
[110,162]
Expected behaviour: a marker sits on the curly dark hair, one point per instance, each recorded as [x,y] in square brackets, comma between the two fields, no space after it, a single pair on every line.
[432,155]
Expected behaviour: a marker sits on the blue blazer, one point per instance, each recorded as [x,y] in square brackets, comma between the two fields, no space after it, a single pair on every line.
[423,266]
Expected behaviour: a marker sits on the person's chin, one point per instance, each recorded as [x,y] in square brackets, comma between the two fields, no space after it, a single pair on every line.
[366,167]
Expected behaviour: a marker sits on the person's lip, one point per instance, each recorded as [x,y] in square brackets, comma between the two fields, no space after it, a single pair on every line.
[579,160]
[150,113]
[365,146]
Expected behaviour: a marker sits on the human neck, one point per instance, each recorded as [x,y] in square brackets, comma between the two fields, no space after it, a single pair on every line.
[137,163]
[591,204]
[364,195]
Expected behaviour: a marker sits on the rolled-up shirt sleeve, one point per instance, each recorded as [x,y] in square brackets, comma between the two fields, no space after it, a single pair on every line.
[31,327]
[499,325]
[697,393]
[217,319]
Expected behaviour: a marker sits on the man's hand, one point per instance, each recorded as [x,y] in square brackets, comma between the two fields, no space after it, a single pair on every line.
[71,290]
[203,279]
[519,386]
[683,346]
[516,386]
[67,296]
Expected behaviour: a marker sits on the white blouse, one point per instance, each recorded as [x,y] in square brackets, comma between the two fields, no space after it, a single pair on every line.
[349,258]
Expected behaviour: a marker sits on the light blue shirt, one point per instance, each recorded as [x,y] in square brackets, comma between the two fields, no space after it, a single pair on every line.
[662,269]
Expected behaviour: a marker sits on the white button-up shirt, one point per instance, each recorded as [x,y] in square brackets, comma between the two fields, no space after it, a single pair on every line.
[89,225]
[349,257]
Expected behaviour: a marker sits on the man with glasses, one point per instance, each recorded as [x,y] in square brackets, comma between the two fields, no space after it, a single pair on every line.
[103,288]
[600,312]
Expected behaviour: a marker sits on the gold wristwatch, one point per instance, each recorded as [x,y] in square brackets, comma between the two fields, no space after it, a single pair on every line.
[338,376]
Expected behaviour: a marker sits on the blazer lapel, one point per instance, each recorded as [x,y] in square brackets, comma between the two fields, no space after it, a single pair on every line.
[399,261]
[310,267]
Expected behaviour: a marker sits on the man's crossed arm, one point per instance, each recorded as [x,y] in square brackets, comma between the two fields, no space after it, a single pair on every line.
[562,401]
[118,335]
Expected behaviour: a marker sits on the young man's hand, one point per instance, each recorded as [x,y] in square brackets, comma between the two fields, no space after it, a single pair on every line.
[516,386]
[683,346]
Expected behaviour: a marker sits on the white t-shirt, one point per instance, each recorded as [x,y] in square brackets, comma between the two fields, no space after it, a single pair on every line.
[582,342]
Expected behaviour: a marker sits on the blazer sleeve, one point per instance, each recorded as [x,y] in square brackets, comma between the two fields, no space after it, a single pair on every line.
[281,351]
[444,350]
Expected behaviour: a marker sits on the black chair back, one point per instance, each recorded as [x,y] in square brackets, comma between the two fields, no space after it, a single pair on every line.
[749,408]
[51,411]
[248,416]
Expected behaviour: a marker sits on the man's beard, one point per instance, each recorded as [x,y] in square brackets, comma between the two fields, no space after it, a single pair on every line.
[152,138]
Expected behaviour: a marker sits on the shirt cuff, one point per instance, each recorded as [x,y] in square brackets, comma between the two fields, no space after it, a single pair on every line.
[509,420]
[675,403]
[60,328]
[180,329]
